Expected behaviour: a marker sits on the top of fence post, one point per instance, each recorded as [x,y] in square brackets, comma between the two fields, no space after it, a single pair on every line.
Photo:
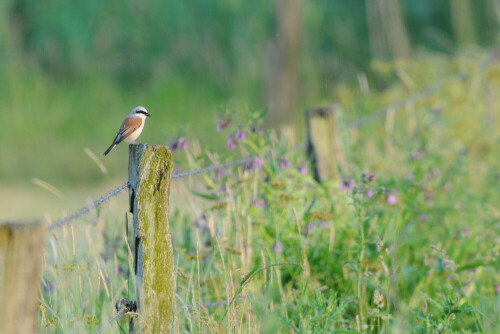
[324,144]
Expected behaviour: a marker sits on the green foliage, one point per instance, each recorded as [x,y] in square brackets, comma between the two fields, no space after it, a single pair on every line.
[72,70]
[410,249]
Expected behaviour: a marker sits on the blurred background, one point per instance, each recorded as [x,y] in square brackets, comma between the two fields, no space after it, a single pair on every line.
[71,70]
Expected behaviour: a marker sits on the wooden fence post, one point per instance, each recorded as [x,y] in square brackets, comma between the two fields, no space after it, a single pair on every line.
[21,252]
[324,144]
[150,169]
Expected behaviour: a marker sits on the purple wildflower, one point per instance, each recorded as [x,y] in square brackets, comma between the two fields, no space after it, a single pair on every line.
[369,193]
[231,144]
[223,123]
[391,199]
[367,178]
[346,185]
[241,135]
[49,287]
[260,203]
[303,170]
[285,164]
[257,163]
[178,144]
[278,247]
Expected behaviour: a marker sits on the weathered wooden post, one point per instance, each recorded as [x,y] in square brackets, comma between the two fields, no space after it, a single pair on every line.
[324,144]
[21,252]
[150,169]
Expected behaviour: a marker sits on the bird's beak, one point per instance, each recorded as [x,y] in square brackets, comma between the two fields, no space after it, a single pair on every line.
[148,114]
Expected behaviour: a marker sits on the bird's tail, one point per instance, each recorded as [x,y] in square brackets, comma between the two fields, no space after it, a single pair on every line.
[110,148]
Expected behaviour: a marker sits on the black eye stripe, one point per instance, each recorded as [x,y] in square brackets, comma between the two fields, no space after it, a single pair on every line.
[141,112]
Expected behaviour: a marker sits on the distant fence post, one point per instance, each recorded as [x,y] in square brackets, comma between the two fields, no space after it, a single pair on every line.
[21,252]
[150,169]
[324,144]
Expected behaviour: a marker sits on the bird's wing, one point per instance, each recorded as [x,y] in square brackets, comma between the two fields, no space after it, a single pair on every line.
[129,125]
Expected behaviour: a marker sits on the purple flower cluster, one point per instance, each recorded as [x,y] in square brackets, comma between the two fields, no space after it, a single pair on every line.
[256,163]
[367,178]
[178,144]
[223,123]
[241,135]
[391,199]
[369,194]
[278,247]
[285,164]
[231,143]
[346,185]
[260,203]
[220,173]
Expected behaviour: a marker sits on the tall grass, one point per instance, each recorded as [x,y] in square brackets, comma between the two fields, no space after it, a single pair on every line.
[411,248]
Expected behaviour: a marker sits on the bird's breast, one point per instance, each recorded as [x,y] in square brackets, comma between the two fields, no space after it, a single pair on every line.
[134,135]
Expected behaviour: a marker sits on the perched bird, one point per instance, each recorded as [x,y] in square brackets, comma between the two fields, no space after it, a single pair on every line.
[131,127]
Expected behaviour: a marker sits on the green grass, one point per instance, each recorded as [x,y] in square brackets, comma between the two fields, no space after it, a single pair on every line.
[305,257]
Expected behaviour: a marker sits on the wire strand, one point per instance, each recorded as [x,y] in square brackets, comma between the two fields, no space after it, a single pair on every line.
[115,192]
[355,124]
[86,209]
[422,94]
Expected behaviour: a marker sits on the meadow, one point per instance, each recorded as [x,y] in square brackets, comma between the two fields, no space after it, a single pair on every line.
[406,242]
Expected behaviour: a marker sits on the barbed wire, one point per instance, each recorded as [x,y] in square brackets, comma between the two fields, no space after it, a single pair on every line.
[123,307]
[88,208]
[422,94]
[180,175]
[212,168]
[247,160]
[382,112]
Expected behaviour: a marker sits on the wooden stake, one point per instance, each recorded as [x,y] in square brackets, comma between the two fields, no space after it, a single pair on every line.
[21,252]
[324,144]
[150,169]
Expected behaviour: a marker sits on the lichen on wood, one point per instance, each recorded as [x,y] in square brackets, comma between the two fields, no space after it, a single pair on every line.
[150,170]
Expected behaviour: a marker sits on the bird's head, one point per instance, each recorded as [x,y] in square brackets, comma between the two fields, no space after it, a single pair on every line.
[140,111]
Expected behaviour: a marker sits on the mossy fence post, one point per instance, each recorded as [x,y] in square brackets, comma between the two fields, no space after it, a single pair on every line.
[150,169]
[21,253]
[324,144]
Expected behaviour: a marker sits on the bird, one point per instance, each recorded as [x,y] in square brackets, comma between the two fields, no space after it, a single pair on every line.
[131,127]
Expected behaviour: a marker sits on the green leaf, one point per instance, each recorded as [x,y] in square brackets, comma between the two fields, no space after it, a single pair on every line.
[204,196]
